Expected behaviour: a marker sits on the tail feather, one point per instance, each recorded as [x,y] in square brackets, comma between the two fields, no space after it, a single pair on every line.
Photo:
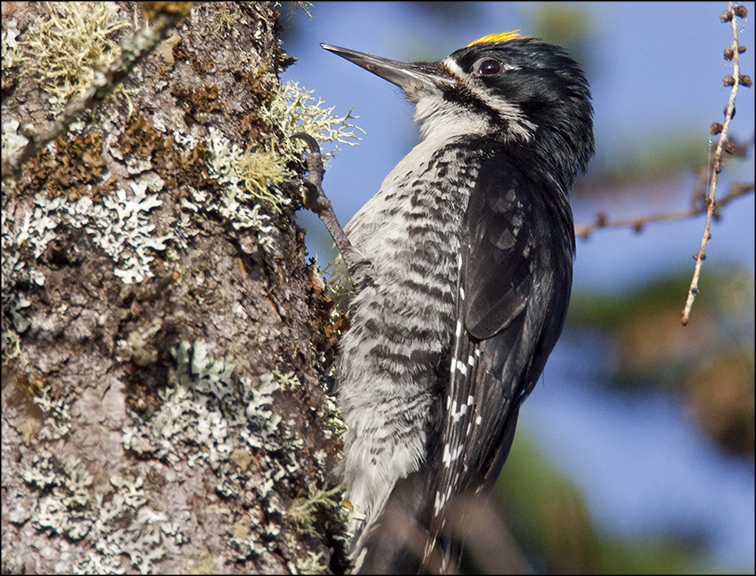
[394,544]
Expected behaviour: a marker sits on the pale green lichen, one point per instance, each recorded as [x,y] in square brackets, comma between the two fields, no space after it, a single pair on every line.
[91,562]
[119,226]
[305,6]
[14,270]
[263,173]
[287,380]
[245,547]
[58,416]
[235,203]
[123,524]
[313,564]
[339,284]
[226,18]
[190,413]
[66,509]
[12,140]
[209,414]
[302,510]
[295,109]
[68,46]
[246,178]
[229,422]
[12,52]
[334,426]
[144,537]
[262,433]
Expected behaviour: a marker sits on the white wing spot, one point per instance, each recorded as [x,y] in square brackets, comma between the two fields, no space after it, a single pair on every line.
[441,501]
[455,416]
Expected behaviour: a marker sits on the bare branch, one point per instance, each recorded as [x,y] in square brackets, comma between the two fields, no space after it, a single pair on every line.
[736,190]
[702,202]
[733,52]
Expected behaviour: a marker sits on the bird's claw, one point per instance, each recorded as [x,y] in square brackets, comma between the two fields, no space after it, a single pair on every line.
[316,200]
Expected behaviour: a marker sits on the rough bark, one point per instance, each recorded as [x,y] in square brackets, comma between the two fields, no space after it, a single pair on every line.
[164,413]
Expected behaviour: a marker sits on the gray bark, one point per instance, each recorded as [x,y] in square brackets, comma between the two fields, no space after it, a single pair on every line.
[161,398]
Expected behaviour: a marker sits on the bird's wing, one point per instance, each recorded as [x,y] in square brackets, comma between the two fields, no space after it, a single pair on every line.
[502,286]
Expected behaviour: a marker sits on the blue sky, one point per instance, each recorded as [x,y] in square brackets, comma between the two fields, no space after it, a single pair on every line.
[655,71]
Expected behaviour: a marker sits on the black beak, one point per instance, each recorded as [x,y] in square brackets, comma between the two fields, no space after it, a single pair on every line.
[411,78]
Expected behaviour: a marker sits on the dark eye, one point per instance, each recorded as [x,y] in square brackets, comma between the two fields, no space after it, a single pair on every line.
[488,67]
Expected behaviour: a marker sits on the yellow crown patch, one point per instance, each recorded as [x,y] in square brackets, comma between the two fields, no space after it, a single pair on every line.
[503,37]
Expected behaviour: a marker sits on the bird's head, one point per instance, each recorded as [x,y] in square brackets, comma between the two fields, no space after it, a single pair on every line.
[524,93]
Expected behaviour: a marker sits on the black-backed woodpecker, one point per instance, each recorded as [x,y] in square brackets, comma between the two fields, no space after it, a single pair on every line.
[462,269]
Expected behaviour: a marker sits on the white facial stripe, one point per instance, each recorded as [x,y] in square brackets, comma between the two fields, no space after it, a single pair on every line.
[507,111]
[440,121]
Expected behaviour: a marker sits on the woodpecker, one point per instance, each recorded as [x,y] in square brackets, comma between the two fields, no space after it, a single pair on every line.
[462,269]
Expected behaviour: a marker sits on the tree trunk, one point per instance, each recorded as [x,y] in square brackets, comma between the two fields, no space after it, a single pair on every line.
[163,338]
